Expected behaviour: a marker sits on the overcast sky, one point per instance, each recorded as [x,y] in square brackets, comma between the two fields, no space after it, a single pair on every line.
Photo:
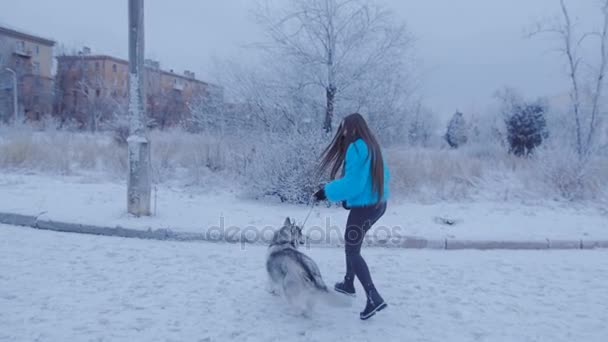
[467,48]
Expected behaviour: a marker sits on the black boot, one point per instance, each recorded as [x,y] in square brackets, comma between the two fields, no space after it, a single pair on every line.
[374,304]
[346,287]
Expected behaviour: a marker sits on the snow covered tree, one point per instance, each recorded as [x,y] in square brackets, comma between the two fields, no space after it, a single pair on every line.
[457,134]
[586,74]
[421,126]
[208,113]
[526,128]
[525,123]
[342,49]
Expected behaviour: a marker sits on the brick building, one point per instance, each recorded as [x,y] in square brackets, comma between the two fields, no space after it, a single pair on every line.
[31,57]
[94,88]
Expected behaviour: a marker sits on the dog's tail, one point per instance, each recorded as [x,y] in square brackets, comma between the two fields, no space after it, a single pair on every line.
[333,298]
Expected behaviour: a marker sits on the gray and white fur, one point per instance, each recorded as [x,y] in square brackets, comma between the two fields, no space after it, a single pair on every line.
[294,275]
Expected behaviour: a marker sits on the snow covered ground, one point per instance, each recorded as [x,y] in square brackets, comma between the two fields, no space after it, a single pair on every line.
[92,201]
[70,287]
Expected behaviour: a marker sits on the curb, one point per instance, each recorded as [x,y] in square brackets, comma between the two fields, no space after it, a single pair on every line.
[34,222]
[402,243]
[488,245]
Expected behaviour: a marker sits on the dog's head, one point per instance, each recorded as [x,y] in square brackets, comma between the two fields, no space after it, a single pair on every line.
[290,233]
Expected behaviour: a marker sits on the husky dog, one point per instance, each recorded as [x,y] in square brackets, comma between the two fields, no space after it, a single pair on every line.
[295,275]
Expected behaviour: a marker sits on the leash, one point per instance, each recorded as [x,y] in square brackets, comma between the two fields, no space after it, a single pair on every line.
[312,207]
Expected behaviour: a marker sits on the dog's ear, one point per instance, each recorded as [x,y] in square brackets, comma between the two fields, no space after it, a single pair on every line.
[287,222]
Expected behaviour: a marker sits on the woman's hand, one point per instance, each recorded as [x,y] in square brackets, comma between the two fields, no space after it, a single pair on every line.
[320,195]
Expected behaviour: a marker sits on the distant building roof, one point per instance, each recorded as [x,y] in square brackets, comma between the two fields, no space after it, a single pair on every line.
[22,35]
[93,57]
[125,62]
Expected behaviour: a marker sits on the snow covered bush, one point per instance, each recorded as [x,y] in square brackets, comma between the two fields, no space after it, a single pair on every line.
[457,134]
[284,166]
[565,176]
[526,128]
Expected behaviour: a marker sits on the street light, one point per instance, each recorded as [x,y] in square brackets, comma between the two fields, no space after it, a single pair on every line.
[138,144]
[15,90]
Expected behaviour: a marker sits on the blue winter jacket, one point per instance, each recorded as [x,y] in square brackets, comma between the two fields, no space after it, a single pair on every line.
[356,186]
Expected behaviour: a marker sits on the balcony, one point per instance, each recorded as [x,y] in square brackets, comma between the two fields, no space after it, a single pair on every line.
[22,52]
[177,85]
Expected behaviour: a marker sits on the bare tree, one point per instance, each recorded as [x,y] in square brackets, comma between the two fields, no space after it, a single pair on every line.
[166,107]
[84,95]
[206,114]
[586,104]
[100,105]
[337,43]
[270,99]
[421,126]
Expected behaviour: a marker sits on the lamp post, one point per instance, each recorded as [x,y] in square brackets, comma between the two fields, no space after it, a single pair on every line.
[139,178]
[15,91]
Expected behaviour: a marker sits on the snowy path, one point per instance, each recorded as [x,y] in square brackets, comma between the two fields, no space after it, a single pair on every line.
[95,202]
[69,287]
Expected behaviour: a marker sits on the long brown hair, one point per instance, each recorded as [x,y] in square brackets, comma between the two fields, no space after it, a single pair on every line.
[352,128]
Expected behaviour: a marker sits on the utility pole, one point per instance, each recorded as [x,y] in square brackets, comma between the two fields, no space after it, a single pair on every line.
[139,179]
[15,91]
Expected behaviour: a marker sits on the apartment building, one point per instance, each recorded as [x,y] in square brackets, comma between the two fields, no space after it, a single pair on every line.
[30,58]
[95,87]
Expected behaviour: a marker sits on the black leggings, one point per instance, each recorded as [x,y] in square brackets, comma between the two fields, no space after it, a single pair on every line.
[360,220]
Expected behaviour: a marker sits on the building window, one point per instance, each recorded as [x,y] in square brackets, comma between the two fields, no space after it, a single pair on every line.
[97,92]
[21,46]
[36,68]
[37,50]
[114,67]
[96,66]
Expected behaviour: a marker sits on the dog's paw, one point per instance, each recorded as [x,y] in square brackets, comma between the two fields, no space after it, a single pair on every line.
[307,314]
[273,291]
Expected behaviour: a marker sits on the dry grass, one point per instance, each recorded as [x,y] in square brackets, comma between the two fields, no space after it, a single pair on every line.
[59,152]
[417,174]
[431,174]
[434,173]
